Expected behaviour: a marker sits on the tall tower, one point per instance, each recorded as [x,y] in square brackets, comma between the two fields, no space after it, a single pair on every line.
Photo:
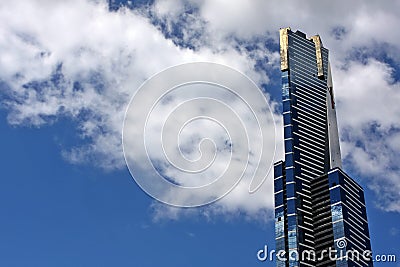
[317,206]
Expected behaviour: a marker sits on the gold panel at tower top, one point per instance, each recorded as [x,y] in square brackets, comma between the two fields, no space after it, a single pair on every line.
[284,46]
[318,44]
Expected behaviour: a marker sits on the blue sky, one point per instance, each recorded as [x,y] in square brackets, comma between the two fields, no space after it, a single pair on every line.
[67,72]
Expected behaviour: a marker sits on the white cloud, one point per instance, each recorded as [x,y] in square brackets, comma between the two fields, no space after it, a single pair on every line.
[368,113]
[82,61]
[97,48]
[363,22]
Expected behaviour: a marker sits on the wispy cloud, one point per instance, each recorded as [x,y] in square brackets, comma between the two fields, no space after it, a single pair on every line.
[369,126]
[83,62]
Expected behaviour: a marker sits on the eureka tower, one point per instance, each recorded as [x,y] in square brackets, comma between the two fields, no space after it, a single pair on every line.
[320,214]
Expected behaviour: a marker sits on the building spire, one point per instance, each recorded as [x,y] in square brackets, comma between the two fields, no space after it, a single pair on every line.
[335,159]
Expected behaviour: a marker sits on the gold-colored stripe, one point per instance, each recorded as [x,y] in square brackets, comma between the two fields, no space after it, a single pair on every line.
[284,47]
[318,44]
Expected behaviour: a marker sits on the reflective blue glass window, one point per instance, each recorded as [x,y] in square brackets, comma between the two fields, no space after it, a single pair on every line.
[338,230]
[291,206]
[292,223]
[289,175]
[292,239]
[289,159]
[335,195]
[333,179]
[279,228]
[279,199]
[287,131]
[288,146]
[286,119]
[336,212]
[278,170]
[285,93]
[286,105]
[290,190]
[278,184]
[285,82]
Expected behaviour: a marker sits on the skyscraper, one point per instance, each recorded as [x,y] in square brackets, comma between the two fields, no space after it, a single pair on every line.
[320,214]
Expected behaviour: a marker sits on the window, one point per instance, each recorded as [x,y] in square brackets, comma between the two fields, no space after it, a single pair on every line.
[278,184]
[337,213]
[279,199]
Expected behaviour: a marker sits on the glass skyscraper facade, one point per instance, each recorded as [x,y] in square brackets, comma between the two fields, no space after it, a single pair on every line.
[320,214]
